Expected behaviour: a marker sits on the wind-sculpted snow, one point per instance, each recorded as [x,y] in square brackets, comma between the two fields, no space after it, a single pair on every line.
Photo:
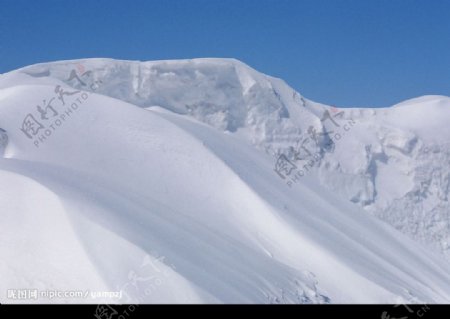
[159,180]
[396,165]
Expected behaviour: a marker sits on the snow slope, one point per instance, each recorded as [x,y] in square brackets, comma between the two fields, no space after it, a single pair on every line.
[157,179]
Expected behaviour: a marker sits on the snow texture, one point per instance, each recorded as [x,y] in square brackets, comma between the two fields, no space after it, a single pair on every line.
[162,180]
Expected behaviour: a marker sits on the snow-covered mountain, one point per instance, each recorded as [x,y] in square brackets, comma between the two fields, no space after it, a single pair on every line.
[206,181]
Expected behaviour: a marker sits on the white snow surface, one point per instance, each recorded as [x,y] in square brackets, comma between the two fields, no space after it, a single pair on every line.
[157,179]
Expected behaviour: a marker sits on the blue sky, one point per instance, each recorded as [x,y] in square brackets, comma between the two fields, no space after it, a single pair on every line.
[339,52]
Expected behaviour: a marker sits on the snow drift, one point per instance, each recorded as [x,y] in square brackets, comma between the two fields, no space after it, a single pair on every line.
[204,181]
